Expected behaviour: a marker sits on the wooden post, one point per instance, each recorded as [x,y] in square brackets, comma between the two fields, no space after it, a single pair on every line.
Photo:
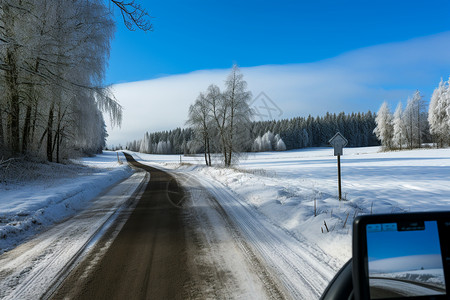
[339,176]
[118,160]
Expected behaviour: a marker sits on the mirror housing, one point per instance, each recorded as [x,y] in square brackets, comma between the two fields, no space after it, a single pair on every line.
[387,246]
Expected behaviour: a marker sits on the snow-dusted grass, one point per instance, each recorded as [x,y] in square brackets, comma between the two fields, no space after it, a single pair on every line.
[285,186]
[34,196]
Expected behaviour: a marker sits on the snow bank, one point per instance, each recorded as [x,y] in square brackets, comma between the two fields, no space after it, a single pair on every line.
[52,193]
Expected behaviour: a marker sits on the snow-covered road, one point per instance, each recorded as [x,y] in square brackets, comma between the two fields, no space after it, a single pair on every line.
[300,268]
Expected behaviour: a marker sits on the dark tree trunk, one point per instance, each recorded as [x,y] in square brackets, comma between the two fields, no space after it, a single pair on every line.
[1,129]
[209,153]
[206,154]
[50,134]
[26,129]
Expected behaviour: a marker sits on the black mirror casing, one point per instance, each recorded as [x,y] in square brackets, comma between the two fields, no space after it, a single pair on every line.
[340,287]
[360,252]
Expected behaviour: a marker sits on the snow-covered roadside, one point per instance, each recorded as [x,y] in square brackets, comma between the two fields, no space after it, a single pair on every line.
[33,269]
[285,186]
[37,201]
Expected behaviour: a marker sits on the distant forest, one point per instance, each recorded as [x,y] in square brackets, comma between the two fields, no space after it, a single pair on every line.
[299,132]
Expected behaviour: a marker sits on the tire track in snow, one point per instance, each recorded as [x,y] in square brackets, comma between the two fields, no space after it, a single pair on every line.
[228,276]
[295,264]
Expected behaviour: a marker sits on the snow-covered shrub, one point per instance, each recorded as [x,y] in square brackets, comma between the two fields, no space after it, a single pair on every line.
[268,142]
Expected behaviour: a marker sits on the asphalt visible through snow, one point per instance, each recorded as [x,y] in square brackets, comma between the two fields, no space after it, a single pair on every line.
[148,257]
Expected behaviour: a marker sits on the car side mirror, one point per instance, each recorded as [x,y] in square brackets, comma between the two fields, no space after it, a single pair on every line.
[399,256]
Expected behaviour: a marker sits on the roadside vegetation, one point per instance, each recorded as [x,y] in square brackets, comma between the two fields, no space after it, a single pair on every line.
[53,56]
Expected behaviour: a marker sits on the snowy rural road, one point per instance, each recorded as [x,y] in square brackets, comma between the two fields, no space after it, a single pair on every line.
[300,270]
[147,259]
[178,237]
[167,249]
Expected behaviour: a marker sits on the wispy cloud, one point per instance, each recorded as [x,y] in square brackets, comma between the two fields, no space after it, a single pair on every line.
[355,81]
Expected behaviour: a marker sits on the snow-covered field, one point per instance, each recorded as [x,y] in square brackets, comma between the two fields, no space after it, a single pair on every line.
[285,186]
[39,196]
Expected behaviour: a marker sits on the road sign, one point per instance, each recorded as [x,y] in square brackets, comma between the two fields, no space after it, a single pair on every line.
[338,141]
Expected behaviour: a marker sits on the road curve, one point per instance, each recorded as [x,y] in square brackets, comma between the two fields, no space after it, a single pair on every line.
[148,258]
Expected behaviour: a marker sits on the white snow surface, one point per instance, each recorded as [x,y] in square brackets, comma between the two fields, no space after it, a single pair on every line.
[430,276]
[280,188]
[29,206]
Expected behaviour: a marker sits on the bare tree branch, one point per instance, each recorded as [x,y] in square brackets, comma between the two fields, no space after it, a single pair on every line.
[134,15]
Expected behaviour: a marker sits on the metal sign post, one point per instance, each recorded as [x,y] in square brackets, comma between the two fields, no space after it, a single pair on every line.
[338,141]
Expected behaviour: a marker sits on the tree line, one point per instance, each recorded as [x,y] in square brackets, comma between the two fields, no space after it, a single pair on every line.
[294,133]
[303,132]
[413,126]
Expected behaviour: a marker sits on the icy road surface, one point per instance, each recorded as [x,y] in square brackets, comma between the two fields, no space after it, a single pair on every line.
[301,268]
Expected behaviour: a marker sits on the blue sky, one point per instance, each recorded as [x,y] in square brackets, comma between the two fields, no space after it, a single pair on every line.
[398,251]
[308,57]
[389,244]
[199,34]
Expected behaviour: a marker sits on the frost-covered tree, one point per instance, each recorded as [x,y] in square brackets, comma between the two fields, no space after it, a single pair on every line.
[201,120]
[398,138]
[279,144]
[384,129]
[225,115]
[164,147]
[438,114]
[145,144]
[238,115]
[52,61]
[257,144]
[268,142]
[415,120]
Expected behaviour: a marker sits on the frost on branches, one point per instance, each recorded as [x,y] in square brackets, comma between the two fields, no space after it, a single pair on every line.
[52,62]
[268,142]
[414,126]
[439,114]
[221,120]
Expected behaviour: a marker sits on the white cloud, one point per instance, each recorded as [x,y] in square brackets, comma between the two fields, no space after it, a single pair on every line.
[406,263]
[355,81]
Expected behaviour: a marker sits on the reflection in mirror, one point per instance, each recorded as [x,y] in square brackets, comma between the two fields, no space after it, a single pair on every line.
[404,260]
